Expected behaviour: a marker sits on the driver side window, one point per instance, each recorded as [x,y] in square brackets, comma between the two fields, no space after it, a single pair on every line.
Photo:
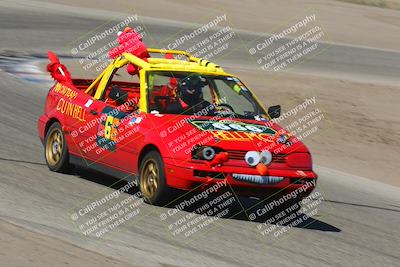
[122,91]
[163,90]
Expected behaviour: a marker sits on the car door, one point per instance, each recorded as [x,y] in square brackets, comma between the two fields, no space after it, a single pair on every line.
[86,134]
[116,136]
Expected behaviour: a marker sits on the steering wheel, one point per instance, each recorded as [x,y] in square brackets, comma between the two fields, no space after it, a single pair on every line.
[224,108]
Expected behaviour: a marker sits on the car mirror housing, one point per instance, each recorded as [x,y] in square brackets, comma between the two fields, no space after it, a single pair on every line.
[274,111]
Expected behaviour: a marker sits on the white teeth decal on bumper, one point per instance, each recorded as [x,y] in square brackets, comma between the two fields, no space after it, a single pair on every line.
[257,179]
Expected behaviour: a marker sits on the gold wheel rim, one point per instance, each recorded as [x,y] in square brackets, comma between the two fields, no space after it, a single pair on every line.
[149,178]
[54,147]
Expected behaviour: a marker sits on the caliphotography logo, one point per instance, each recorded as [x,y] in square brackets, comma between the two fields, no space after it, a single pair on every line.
[199,133]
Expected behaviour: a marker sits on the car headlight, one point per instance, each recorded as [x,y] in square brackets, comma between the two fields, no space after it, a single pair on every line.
[265,157]
[208,153]
[252,158]
[204,152]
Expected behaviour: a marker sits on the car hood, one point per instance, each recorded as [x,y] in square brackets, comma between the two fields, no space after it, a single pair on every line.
[185,131]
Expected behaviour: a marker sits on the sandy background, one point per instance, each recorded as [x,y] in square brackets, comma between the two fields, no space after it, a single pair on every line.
[345,22]
[361,130]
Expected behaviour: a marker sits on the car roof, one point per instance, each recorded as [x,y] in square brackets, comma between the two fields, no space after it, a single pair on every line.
[191,64]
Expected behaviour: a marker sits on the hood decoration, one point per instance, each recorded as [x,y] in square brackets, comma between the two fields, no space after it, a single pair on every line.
[218,159]
[235,130]
[232,126]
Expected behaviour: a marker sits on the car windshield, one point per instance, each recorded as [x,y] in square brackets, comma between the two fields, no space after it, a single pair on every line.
[198,94]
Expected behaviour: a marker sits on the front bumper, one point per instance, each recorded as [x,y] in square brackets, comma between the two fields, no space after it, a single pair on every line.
[244,181]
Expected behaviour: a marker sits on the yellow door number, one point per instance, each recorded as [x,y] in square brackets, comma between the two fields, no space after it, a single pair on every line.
[111,128]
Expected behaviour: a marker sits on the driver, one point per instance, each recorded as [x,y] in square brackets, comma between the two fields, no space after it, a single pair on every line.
[190,97]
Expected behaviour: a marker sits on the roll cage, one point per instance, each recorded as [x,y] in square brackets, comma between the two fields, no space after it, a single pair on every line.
[192,64]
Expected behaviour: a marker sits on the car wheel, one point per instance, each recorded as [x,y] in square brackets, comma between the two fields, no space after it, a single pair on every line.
[55,150]
[152,182]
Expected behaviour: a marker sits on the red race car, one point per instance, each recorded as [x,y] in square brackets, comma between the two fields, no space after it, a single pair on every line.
[172,124]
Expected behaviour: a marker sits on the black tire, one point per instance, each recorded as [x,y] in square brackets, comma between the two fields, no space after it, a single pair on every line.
[56,150]
[159,194]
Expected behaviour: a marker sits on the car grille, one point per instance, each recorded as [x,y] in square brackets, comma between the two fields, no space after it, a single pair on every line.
[257,179]
[239,155]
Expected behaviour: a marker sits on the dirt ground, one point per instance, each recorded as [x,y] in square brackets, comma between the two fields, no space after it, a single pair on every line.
[360,129]
[343,22]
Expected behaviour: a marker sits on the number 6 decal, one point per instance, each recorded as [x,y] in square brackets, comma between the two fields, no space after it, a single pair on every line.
[108,128]
[111,128]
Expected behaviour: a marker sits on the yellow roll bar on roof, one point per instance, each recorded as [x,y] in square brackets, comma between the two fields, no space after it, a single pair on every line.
[193,62]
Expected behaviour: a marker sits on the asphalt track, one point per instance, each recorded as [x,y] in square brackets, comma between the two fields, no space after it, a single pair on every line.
[356,224]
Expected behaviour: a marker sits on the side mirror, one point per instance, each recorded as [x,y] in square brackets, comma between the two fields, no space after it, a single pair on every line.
[274,111]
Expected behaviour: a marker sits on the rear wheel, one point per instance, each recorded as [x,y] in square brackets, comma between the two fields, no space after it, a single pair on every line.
[55,150]
[152,181]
